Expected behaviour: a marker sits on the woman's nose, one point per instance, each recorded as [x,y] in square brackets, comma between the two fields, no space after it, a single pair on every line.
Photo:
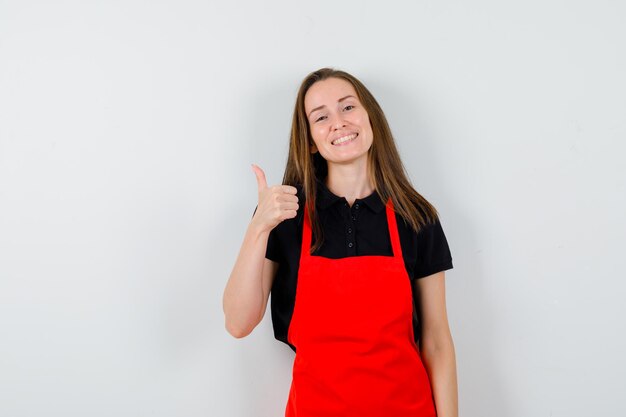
[338,122]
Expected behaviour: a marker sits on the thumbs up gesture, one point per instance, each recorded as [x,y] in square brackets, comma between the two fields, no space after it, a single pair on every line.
[276,203]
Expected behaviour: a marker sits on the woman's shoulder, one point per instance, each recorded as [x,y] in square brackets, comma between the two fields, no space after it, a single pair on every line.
[426,210]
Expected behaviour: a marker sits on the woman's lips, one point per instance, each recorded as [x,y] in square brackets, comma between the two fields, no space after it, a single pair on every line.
[345,140]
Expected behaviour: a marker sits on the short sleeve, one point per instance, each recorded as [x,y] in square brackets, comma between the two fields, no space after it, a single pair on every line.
[433,252]
[272,252]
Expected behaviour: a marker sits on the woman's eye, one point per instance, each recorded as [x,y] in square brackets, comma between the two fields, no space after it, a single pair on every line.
[320,118]
[348,107]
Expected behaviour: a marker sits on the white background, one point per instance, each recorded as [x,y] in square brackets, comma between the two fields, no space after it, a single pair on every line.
[127,130]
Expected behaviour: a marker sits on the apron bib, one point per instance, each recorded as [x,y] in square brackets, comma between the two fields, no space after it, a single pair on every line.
[352,328]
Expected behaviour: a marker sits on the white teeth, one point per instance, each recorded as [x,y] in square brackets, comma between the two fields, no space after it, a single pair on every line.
[344,139]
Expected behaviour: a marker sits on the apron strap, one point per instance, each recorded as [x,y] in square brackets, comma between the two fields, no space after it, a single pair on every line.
[394,235]
[306,234]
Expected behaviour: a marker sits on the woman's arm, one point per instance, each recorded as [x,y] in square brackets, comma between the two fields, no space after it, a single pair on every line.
[436,346]
[249,284]
[248,288]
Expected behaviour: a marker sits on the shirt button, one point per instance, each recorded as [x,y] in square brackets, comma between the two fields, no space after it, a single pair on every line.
[349,230]
[350,245]
[356,206]
[353,217]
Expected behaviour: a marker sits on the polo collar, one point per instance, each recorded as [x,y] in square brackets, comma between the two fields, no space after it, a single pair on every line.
[325,198]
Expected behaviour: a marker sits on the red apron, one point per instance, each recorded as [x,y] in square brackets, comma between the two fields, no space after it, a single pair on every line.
[353,332]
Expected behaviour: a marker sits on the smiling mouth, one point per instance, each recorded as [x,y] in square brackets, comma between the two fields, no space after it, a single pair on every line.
[344,139]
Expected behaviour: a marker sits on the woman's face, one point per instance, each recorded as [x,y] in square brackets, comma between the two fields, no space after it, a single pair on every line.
[339,124]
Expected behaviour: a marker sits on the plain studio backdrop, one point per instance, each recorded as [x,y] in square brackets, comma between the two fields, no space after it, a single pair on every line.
[127,130]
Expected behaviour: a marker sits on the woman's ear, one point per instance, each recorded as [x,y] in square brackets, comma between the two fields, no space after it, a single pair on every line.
[313,147]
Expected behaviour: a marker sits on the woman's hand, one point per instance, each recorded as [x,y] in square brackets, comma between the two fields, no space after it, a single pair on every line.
[276,203]
[250,282]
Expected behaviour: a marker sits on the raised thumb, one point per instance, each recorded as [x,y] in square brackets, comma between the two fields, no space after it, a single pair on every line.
[260,177]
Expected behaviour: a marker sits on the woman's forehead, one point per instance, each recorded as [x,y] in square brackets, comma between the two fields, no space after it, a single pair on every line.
[327,92]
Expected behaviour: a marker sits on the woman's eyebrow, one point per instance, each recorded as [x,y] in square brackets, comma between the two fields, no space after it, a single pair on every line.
[323,105]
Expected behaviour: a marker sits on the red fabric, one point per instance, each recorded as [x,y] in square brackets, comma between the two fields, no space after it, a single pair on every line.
[352,328]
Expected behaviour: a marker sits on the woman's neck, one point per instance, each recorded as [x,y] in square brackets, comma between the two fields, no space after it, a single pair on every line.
[349,181]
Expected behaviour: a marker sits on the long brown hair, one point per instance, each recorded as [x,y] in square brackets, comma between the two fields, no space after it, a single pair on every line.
[385,169]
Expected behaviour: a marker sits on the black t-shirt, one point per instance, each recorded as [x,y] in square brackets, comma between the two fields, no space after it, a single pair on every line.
[349,231]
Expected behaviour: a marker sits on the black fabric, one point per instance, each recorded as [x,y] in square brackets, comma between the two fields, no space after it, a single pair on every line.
[349,231]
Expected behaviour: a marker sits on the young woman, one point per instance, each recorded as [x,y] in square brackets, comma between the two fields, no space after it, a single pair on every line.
[354,258]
